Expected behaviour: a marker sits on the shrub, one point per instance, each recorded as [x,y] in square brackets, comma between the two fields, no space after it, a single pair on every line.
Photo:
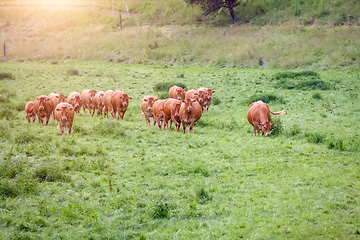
[316,138]
[161,210]
[336,144]
[317,96]
[282,75]
[6,76]
[266,98]
[72,72]
[202,196]
[164,87]
[277,128]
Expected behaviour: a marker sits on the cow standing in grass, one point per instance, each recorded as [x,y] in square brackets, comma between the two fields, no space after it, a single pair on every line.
[43,108]
[64,114]
[190,112]
[259,116]
[30,111]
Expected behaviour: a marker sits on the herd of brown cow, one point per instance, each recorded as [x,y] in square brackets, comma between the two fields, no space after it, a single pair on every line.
[181,108]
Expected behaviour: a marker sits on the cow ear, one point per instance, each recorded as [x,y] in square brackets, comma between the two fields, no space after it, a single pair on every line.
[271,124]
[57,96]
[213,91]
[145,100]
[130,97]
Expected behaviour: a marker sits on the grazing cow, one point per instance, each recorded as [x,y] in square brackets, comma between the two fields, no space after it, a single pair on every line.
[64,113]
[75,100]
[159,115]
[43,108]
[56,99]
[190,112]
[87,97]
[207,97]
[171,110]
[196,94]
[177,93]
[107,103]
[259,116]
[98,102]
[119,102]
[146,108]
[30,111]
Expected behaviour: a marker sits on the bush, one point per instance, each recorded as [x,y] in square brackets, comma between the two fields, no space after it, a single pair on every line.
[6,76]
[277,128]
[72,72]
[164,87]
[336,144]
[161,210]
[266,98]
[316,138]
[282,75]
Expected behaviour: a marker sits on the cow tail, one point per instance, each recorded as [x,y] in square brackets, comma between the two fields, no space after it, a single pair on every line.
[278,113]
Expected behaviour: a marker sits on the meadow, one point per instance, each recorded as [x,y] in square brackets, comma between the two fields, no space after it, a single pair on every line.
[113,179]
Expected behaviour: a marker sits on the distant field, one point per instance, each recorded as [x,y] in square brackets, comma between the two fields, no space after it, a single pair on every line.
[115,179]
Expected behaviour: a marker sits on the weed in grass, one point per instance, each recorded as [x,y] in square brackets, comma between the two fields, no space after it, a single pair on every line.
[266,98]
[202,196]
[282,75]
[161,210]
[316,138]
[216,101]
[6,76]
[294,130]
[164,87]
[277,128]
[336,144]
[317,96]
[50,174]
[72,72]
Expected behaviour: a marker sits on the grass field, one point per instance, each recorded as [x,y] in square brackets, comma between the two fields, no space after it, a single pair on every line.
[114,179]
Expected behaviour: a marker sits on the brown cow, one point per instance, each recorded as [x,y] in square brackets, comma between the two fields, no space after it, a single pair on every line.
[75,100]
[196,94]
[87,97]
[56,99]
[177,93]
[120,102]
[98,102]
[107,103]
[43,108]
[259,116]
[190,112]
[146,108]
[30,111]
[171,110]
[159,115]
[207,97]
[64,113]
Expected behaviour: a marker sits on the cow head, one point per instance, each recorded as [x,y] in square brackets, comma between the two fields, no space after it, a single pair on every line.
[125,99]
[180,92]
[62,97]
[188,102]
[150,101]
[199,95]
[42,99]
[265,128]
[77,101]
[92,94]
[63,110]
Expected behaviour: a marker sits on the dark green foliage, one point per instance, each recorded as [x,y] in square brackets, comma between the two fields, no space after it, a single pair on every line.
[305,80]
[336,144]
[316,138]
[109,128]
[317,96]
[72,72]
[164,87]
[6,76]
[161,210]
[278,127]
[50,174]
[294,130]
[266,98]
[216,101]
[282,75]
[202,196]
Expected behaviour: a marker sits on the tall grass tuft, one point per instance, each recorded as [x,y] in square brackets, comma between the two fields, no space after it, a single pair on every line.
[6,76]
[266,98]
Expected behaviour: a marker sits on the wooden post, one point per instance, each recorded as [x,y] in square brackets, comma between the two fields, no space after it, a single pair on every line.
[4,50]
[120,22]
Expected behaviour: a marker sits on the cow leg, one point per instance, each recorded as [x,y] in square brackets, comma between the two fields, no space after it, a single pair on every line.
[147,119]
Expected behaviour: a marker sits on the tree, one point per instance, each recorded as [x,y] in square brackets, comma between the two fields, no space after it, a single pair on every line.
[211,6]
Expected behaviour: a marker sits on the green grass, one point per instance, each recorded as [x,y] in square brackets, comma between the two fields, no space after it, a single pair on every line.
[125,180]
